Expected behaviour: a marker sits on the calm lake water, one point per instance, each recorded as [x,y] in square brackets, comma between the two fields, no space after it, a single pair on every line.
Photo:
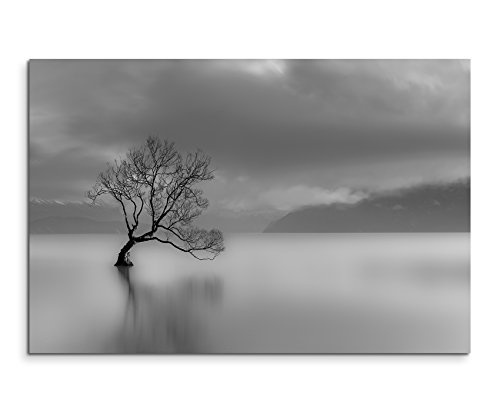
[267,293]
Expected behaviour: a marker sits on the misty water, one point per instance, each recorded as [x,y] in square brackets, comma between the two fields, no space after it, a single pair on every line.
[267,293]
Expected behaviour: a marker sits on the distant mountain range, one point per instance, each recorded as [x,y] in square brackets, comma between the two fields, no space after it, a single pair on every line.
[426,208]
[53,216]
[74,224]
[41,208]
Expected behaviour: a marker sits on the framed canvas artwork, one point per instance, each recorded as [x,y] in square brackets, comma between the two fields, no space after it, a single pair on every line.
[249,207]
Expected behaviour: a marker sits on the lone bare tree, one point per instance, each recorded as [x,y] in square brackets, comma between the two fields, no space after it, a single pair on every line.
[157,179]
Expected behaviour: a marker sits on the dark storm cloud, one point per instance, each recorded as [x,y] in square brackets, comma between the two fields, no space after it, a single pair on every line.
[275,126]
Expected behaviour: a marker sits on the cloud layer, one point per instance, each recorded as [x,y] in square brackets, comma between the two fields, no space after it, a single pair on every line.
[281,133]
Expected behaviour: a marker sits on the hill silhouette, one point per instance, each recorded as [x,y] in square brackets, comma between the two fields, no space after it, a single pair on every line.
[425,208]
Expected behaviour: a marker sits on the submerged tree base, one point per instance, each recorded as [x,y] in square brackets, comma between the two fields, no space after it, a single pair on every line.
[124,264]
[124,259]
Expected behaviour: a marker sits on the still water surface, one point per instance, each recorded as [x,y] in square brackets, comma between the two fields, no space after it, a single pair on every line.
[267,293]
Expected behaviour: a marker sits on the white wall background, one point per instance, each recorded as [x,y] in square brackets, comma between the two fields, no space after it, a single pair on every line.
[258,28]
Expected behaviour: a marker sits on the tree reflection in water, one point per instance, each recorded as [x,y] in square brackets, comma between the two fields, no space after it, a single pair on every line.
[166,318]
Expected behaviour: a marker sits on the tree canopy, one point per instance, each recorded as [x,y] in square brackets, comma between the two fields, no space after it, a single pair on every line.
[155,187]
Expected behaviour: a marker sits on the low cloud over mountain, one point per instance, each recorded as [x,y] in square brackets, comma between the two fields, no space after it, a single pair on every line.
[426,208]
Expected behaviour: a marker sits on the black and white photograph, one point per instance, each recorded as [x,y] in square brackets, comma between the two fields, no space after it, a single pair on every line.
[249,206]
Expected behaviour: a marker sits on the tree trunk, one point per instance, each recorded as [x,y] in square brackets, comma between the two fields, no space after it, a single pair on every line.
[123,256]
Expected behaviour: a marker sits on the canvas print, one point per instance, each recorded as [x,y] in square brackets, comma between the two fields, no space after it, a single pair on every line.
[249,206]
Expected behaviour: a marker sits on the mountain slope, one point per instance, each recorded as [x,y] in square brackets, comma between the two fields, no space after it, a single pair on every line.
[64,225]
[39,209]
[427,208]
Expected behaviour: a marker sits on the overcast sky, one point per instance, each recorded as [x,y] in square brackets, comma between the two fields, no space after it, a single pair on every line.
[282,134]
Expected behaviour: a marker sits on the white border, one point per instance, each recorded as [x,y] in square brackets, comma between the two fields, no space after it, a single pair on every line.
[230,29]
